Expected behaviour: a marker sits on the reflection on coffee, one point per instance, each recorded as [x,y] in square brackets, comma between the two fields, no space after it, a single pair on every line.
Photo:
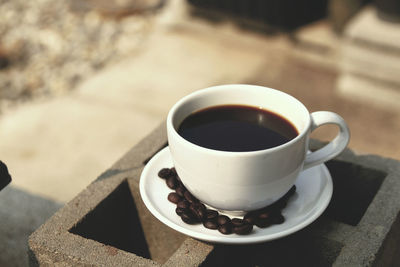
[236,128]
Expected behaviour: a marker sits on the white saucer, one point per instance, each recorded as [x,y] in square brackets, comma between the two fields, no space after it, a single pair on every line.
[313,192]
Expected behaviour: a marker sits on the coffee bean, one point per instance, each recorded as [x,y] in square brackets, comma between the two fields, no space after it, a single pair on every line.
[225,229]
[250,217]
[173,170]
[222,219]
[180,211]
[263,222]
[180,190]
[192,211]
[278,219]
[199,205]
[243,229]
[210,224]
[189,197]
[188,217]
[264,215]
[237,222]
[165,173]
[279,205]
[184,204]
[211,214]
[198,210]
[174,198]
[172,182]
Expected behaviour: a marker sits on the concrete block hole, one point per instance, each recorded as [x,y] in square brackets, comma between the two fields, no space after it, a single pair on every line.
[354,187]
[295,250]
[115,222]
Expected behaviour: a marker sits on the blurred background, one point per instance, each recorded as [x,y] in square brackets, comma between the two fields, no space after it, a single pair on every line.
[82,81]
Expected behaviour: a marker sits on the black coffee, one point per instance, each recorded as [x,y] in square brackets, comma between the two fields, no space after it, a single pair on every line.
[236,128]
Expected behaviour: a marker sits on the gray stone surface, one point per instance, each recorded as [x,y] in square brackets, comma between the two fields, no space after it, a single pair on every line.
[358,228]
[21,214]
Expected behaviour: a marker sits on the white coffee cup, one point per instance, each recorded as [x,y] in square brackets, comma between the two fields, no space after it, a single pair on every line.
[235,182]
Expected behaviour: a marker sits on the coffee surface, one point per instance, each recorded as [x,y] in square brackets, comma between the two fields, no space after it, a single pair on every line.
[236,128]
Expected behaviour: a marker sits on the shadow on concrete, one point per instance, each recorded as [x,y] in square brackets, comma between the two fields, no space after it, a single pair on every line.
[295,250]
[115,222]
[111,172]
[354,188]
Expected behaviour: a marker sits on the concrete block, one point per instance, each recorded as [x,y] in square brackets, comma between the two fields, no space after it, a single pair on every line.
[376,93]
[366,26]
[108,225]
[367,60]
[371,47]
[370,59]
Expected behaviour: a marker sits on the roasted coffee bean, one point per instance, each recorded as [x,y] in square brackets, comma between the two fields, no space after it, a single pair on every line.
[279,205]
[199,205]
[180,190]
[189,197]
[198,210]
[174,198]
[250,217]
[263,222]
[173,170]
[222,219]
[225,229]
[210,224]
[237,222]
[172,182]
[165,173]
[278,219]
[211,215]
[188,218]
[264,215]
[192,211]
[243,229]
[180,211]
[184,204]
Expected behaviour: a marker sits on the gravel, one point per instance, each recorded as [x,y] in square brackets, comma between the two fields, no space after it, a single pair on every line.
[47,47]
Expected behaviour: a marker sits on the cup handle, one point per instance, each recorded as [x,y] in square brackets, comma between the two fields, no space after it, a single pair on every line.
[333,148]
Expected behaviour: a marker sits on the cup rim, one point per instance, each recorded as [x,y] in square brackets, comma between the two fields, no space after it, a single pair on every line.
[171,129]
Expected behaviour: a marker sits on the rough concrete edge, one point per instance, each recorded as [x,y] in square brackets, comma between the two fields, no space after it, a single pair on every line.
[388,254]
[373,232]
[47,241]
[83,252]
[104,185]
[184,256]
[156,140]
[372,227]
